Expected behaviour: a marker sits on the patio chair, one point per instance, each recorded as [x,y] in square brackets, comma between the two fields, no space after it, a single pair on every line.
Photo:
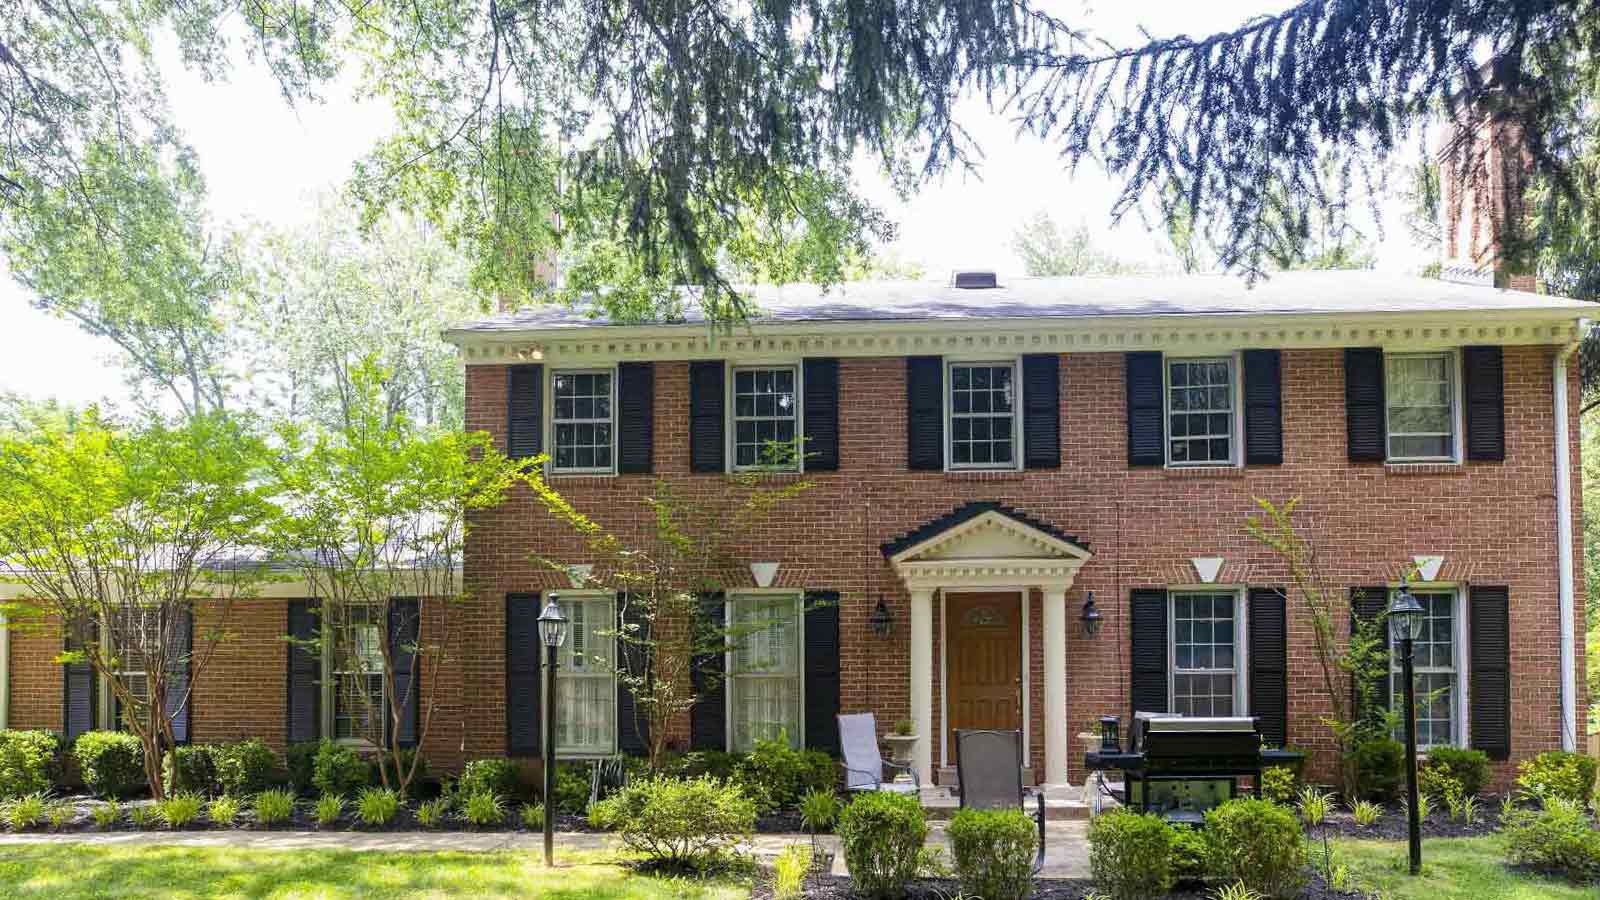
[989,769]
[863,764]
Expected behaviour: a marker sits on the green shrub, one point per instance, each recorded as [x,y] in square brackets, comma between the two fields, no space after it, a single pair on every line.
[143,816]
[993,850]
[376,807]
[300,760]
[1257,843]
[181,809]
[274,805]
[24,812]
[819,809]
[778,776]
[718,764]
[1191,855]
[190,767]
[1278,784]
[533,816]
[111,762]
[328,809]
[60,814]
[789,872]
[1436,782]
[27,760]
[1470,767]
[484,809]
[496,775]
[1236,891]
[107,815]
[1380,766]
[432,813]
[882,834]
[572,788]
[1555,773]
[223,811]
[1556,838]
[1130,854]
[681,823]
[337,769]
[245,767]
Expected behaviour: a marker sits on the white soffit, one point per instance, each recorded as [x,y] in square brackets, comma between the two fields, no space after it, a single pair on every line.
[1207,567]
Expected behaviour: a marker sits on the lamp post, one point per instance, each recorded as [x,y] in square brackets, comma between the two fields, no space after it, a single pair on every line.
[553,631]
[1405,620]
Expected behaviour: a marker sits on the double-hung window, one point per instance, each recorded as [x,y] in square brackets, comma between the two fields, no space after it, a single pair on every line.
[766,417]
[1420,392]
[582,424]
[764,670]
[1206,662]
[134,630]
[1437,669]
[1201,400]
[359,710]
[983,415]
[586,689]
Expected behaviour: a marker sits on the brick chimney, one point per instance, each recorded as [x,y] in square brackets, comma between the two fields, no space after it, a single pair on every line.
[1484,172]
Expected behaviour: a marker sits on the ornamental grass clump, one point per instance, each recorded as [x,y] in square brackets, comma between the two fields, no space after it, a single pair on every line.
[1365,813]
[1314,805]
[432,813]
[223,811]
[789,872]
[107,815]
[328,809]
[484,809]
[180,810]
[24,812]
[274,806]
[143,816]
[376,807]
[60,814]
[1130,855]
[1259,844]
[533,816]
[993,851]
[882,834]
[678,823]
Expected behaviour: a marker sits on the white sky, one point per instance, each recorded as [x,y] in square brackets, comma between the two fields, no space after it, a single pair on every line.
[266,161]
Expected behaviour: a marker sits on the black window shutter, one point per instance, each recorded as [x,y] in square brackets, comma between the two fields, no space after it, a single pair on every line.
[708,718]
[182,666]
[405,629]
[1144,382]
[822,671]
[819,390]
[636,411]
[80,691]
[1364,404]
[633,731]
[925,413]
[1041,410]
[524,697]
[1490,667]
[1484,387]
[1149,650]
[525,411]
[305,673]
[1371,604]
[706,444]
[1269,664]
[1263,407]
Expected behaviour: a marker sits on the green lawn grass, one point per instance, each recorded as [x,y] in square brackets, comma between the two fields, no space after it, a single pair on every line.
[71,871]
[1452,869]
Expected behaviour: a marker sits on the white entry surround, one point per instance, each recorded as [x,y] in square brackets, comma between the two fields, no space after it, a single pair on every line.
[993,551]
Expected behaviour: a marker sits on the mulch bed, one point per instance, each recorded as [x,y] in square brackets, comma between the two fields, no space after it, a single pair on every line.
[835,887]
[1393,826]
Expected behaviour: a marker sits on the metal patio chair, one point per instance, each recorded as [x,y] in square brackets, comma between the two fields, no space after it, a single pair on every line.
[989,771]
[863,763]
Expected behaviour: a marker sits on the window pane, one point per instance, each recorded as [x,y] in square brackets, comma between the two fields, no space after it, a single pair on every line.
[1204,656]
[765,676]
[1200,411]
[982,400]
[764,418]
[582,421]
[1420,406]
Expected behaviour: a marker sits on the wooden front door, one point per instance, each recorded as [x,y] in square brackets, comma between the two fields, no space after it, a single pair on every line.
[984,632]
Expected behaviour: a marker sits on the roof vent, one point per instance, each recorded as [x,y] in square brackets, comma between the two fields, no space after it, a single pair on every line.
[974,281]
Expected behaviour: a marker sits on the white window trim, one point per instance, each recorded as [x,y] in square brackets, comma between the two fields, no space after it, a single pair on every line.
[731,422]
[800,661]
[328,686]
[550,420]
[1462,634]
[105,713]
[611,598]
[1457,412]
[1236,431]
[1017,407]
[1241,643]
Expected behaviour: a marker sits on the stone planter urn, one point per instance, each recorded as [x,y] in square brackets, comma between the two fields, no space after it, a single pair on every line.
[901,747]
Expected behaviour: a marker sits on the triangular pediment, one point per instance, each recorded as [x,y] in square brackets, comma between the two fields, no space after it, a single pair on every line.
[988,532]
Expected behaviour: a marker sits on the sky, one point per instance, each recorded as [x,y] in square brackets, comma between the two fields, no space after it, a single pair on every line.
[266,161]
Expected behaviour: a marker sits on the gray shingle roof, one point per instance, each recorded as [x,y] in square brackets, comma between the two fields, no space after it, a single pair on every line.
[1288,293]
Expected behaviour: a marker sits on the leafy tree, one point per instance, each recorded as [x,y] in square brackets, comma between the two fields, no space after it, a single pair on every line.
[1047,252]
[1184,230]
[376,509]
[119,536]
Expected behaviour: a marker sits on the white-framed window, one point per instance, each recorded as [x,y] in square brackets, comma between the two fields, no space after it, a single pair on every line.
[135,628]
[1202,411]
[983,403]
[1421,406]
[582,421]
[586,686]
[1207,653]
[1441,702]
[764,683]
[358,703]
[766,417]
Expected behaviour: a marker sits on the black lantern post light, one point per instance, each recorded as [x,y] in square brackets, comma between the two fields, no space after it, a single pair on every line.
[1405,623]
[553,631]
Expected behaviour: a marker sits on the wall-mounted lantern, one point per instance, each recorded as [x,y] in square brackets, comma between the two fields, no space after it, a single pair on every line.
[1091,617]
[881,620]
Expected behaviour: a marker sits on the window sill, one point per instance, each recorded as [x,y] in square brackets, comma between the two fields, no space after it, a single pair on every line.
[583,477]
[1203,471]
[766,476]
[983,474]
[1424,468]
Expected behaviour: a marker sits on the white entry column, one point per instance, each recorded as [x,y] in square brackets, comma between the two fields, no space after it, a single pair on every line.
[922,679]
[1056,742]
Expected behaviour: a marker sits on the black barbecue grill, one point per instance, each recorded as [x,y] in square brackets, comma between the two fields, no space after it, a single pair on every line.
[1180,766]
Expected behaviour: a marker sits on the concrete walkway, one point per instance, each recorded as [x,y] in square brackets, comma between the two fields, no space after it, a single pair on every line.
[1066,846]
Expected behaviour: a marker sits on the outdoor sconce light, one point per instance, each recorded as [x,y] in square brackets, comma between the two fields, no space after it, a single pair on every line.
[881,621]
[1091,617]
